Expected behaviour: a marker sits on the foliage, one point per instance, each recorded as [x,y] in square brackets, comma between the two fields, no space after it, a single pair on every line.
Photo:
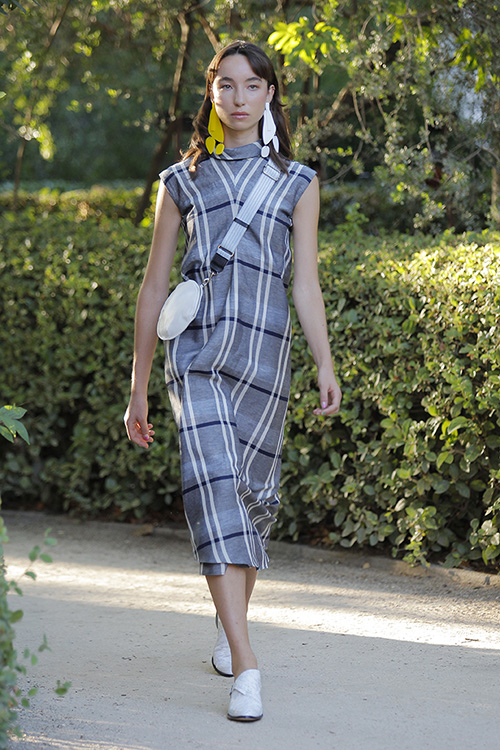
[114,202]
[8,5]
[411,463]
[67,304]
[93,86]
[10,695]
[419,107]
[10,424]
[404,93]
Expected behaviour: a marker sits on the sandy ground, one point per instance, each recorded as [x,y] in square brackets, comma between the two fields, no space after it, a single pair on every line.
[355,652]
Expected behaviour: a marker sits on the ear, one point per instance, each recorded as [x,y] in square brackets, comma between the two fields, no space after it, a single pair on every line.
[270,94]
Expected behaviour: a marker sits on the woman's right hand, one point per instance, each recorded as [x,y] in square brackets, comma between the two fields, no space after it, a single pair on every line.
[139,430]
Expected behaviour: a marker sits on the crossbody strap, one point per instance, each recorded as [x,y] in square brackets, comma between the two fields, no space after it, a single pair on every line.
[241,221]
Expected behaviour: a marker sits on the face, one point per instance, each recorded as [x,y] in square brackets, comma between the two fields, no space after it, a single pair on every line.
[239,96]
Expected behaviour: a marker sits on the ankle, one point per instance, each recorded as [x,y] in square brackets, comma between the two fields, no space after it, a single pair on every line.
[242,665]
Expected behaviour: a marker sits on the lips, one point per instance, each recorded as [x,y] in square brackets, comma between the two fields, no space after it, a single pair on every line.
[239,115]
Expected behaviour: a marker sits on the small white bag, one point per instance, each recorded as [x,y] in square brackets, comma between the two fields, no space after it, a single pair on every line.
[179,309]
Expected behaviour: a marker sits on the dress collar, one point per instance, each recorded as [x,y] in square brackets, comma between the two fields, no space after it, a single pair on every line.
[240,152]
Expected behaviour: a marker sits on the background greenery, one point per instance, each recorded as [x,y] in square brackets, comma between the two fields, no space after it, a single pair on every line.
[396,105]
[412,462]
[389,98]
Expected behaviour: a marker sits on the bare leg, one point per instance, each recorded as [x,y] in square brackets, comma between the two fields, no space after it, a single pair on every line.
[231,593]
[250,582]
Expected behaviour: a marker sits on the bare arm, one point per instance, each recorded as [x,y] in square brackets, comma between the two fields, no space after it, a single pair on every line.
[308,298]
[152,295]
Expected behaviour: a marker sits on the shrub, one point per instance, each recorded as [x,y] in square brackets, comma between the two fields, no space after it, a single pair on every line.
[413,460]
[411,464]
[117,202]
[11,697]
[67,307]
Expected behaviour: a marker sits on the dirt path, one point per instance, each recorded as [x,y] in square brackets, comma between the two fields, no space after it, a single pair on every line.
[353,653]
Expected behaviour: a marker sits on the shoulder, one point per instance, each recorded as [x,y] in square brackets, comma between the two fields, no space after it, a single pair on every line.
[298,180]
[301,171]
[177,171]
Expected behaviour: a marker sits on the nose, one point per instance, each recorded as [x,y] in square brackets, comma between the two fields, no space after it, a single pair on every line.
[239,96]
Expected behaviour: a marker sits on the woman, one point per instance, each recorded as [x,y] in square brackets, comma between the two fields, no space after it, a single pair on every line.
[228,372]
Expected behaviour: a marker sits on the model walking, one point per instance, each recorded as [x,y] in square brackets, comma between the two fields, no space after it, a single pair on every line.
[228,373]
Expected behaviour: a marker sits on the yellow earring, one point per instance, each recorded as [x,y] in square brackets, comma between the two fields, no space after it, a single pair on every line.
[215,141]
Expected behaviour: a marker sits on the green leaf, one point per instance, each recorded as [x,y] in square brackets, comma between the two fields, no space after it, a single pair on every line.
[12,412]
[473,452]
[62,688]
[442,458]
[22,432]
[339,518]
[7,434]
[456,424]
[440,485]
[16,616]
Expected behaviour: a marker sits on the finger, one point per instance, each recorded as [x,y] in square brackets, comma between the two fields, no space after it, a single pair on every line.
[138,434]
[332,406]
[144,432]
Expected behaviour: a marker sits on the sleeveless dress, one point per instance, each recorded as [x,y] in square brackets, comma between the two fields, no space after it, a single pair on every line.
[228,373]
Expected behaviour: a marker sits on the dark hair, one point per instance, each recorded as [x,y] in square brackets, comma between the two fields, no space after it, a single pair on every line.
[262,67]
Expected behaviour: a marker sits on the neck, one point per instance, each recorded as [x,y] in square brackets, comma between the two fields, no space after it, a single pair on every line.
[233,139]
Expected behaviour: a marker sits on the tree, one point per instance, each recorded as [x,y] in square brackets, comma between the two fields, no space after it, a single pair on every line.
[120,71]
[34,72]
[416,76]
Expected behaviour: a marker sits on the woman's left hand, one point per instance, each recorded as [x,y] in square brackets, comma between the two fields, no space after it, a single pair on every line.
[329,392]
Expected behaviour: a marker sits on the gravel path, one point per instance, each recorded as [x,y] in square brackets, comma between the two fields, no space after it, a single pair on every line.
[355,651]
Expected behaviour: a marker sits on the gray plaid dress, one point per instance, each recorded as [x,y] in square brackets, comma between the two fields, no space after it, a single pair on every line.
[228,374]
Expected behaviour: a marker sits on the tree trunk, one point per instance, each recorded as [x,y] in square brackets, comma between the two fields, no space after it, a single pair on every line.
[341,98]
[495,196]
[159,152]
[495,172]
[211,34]
[304,101]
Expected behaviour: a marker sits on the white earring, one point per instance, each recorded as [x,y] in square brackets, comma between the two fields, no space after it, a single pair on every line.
[269,132]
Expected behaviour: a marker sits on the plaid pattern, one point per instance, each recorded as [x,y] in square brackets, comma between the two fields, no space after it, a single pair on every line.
[228,374]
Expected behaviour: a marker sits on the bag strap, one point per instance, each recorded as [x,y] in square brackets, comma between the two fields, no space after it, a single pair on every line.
[241,221]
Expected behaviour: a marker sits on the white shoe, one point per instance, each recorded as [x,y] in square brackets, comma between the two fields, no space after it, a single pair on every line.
[245,703]
[221,657]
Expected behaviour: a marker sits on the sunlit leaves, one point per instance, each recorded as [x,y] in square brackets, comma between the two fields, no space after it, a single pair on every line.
[433,69]
[307,42]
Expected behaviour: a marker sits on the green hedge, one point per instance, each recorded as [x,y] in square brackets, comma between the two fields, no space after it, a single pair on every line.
[413,461]
[68,292]
[411,464]
[115,202]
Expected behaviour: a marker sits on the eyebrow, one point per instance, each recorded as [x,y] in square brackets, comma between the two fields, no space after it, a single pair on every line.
[252,78]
